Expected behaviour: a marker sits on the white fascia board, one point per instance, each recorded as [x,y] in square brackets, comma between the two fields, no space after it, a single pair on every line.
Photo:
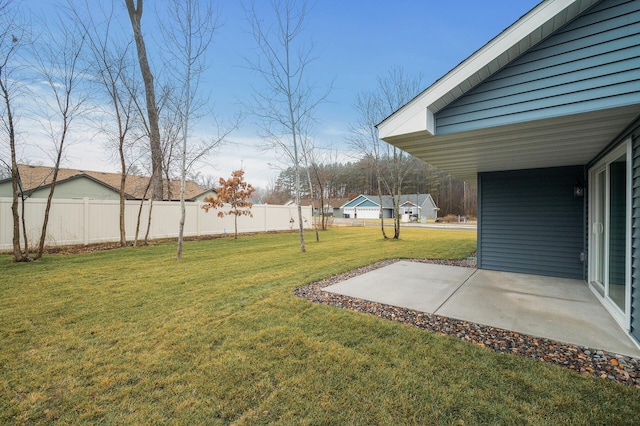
[350,201]
[418,114]
[363,198]
[414,120]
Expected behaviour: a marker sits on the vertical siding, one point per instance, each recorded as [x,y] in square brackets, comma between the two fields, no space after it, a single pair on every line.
[591,64]
[635,242]
[531,222]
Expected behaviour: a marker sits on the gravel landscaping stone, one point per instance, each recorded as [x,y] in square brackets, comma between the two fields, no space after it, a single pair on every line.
[583,360]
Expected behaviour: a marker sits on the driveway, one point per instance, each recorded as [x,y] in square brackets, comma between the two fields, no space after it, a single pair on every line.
[339,221]
[560,309]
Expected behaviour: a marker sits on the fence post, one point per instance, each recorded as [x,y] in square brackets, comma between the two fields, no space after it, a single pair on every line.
[86,220]
[197,204]
[266,212]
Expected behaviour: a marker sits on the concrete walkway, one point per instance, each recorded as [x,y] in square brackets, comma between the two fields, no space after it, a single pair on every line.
[556,308]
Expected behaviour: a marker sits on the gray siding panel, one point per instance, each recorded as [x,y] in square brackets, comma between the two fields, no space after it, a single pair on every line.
[593,63]
[635,243]
[531,222]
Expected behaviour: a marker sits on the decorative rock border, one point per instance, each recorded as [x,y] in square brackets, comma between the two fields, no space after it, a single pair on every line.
[584,360]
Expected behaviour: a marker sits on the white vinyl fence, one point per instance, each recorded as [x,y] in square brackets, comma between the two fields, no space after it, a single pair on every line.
[85,221]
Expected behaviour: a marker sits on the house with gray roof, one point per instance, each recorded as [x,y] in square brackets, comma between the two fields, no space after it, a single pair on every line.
[545,120]
[414,206]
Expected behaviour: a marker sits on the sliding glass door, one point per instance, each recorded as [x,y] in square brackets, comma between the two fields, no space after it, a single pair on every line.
[609,231]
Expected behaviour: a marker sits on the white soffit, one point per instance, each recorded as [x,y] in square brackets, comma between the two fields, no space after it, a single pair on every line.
[537,24]
[561,141]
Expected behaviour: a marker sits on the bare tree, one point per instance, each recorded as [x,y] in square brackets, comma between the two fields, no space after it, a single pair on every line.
[195,23]
[392,91]
[396,89]
[170,130]
[321,177]
[285,106]
[110,65]
[11,40]
[202,180]
[365,139]
[135,16]
[309,161]
[58,62]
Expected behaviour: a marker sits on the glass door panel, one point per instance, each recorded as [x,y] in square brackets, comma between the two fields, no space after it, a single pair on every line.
[617,232]
[599,212]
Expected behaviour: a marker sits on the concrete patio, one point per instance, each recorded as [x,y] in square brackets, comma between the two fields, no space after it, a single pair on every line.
[561,309]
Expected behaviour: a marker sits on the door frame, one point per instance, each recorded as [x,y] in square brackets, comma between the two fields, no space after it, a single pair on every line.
[601,289]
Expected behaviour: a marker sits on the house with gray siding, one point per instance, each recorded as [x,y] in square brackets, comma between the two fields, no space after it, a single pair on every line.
[35,182]
[414,206]
[545,120]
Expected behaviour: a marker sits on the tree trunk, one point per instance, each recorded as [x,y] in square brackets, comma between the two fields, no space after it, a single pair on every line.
[25,252]
[135,241]
[301,225]
[396,213]
[297,169]
[123,180]
[24,255]
[135,15]
[17,252]
[313,219]
[235,226]
[185,138]
[183,215]
[384,234]
[146,235]
[183,208]
[54,179]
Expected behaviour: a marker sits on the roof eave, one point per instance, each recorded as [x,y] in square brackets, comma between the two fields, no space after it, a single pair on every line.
[418,114]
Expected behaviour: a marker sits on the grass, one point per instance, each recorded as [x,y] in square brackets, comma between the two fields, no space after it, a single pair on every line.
[132,336]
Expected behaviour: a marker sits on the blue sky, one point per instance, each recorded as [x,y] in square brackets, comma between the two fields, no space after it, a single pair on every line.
[354,43]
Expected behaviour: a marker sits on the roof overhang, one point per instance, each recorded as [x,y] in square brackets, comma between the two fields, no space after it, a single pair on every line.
[562,141]
[533,27]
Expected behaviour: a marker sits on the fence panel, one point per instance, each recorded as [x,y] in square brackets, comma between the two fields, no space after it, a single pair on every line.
[85,221]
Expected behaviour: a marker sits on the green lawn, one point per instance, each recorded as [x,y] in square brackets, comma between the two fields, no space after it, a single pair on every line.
[132,336]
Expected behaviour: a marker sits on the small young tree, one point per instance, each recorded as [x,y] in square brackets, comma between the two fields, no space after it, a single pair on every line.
[11,40]
[109,65]
[236,192]
[394,89]
[58,58]
[285,105]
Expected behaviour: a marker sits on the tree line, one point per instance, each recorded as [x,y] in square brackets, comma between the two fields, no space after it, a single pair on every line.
[340,180]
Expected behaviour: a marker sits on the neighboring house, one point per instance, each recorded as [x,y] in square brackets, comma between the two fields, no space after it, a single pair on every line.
[332,207]
[415,206]
[36,183]
[545,118]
